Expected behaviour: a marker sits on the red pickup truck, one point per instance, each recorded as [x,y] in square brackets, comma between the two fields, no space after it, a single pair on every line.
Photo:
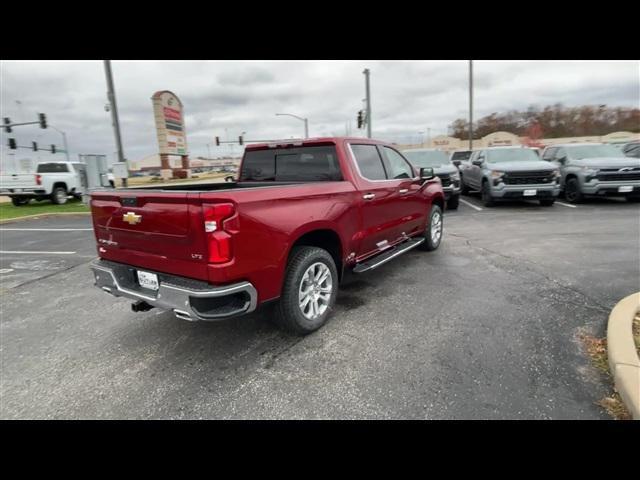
[299,214]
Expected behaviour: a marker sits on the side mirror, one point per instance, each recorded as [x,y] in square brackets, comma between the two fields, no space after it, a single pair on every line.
[426,173]
[562,159]
[229,178]
[456,162]
[477,162]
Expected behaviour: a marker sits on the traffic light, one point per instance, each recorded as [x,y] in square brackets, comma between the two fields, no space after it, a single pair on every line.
[43,120]
[218,141]
[12,144]
[240,140]
[360,119]
[35,146]
[53,149]
[7,122]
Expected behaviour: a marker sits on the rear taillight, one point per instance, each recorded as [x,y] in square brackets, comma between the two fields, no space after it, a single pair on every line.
[218,240]
[38,179]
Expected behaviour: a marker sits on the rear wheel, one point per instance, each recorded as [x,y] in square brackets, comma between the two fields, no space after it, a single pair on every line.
[59,196]
[547,202]
[309,291]
[19,201]
[433,232]
[487,199]
[453,202]
[572,191]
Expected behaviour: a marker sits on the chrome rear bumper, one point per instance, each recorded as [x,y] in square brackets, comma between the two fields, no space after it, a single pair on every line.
[188,299]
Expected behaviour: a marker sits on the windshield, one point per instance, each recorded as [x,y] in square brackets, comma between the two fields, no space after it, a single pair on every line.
[434,158]
[461,155]
[511,155]
[593,151]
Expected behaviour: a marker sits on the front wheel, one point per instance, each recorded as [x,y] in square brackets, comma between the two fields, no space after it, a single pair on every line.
[19,201]
[453,202]
[433,233]
[572,191]
[487,199]
[309,291]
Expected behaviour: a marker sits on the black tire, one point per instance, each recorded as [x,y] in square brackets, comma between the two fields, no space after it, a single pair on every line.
[19,201]
[547,202]
[464,190]
[572,191]
[59,196]
[487,199]
[453,202]
[289,315]
[429,243]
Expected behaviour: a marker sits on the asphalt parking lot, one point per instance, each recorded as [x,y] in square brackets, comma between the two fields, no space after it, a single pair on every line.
[486,327]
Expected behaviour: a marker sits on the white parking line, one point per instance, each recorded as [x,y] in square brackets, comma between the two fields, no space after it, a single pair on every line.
[35,253]
[566,204]
[471,205]
[46,229]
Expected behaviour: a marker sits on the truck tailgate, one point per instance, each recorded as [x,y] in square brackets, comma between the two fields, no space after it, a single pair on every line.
[161,231]
[18,180]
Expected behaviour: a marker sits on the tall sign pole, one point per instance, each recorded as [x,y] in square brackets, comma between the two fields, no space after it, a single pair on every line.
[368,91]
[470,104]
[111,95]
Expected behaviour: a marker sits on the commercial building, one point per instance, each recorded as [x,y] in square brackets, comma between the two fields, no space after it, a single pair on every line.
[450,144]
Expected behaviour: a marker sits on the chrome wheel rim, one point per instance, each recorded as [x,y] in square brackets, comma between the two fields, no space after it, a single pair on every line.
[61,196]
[436,228]
[570,191]
[314,293]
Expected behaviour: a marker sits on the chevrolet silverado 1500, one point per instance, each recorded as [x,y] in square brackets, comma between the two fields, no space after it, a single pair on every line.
[298,215]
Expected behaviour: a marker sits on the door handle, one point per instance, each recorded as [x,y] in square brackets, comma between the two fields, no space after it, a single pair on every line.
[368,196]
[403,190]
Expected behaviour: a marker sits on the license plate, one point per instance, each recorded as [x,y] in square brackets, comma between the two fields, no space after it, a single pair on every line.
[625,189]
[530,193]
[148,280]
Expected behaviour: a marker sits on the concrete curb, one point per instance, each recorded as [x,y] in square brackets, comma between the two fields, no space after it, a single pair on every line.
[623,359]
[27,217]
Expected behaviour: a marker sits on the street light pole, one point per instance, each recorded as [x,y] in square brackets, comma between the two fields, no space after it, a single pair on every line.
[368,91]
[470,104]
[64,139]
[305,120]
[111,95]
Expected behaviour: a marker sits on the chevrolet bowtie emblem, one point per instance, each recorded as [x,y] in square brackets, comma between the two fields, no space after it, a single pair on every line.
[131,218]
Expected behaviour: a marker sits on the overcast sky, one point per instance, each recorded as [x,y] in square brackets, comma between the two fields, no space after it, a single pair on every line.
[407,97]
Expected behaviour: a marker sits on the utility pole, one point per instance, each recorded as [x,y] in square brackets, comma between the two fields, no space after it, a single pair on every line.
[64,139]
[111,95]
[429,137]
[470,104]
[368,99]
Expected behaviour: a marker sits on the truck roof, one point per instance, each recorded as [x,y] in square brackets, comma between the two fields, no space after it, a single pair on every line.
[298,142]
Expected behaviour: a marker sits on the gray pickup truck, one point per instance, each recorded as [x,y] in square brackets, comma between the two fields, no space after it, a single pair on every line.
[510,173]
[595,169]
[442,167]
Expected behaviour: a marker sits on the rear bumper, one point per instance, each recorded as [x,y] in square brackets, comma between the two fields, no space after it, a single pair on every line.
[22,192]
[189,299]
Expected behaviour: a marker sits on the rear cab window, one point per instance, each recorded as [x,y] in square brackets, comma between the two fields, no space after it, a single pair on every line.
[302,164]
[397,167]
[52,168]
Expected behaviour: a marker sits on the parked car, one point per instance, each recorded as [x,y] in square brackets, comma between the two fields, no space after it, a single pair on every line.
[632,149]
[442,167]
[56,181]
[510,173]
[596,169]
[459,156]
[300,215]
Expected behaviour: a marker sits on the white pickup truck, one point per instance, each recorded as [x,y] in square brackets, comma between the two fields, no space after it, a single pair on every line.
[55,181]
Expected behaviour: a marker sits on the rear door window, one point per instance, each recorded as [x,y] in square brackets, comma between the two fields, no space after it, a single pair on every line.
[369,162]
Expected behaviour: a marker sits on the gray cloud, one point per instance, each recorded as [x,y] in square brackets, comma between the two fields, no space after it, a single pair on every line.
[231,97]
